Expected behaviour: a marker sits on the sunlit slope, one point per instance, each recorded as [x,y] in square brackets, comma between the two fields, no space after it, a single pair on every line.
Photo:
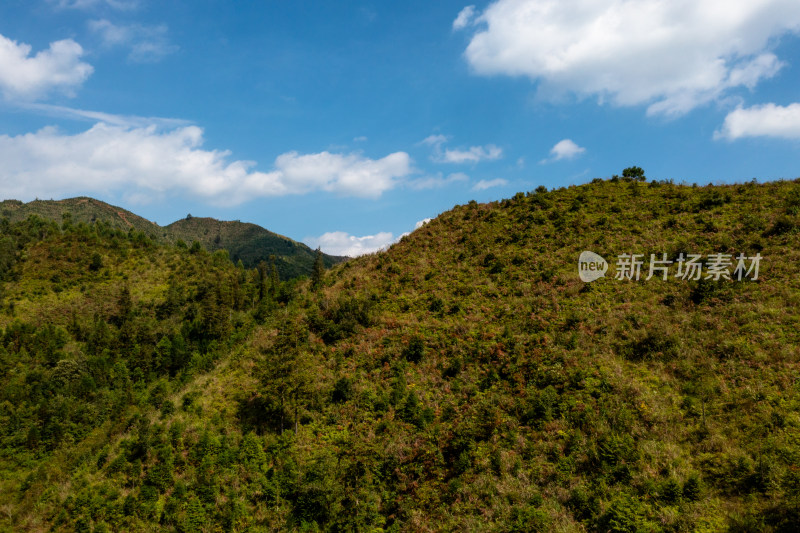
[80,209]
[464,380]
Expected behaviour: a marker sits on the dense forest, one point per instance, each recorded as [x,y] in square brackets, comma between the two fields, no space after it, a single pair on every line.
[466,379]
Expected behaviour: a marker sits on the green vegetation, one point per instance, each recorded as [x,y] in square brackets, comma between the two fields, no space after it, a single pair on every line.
[244,242]
[250,244]
[464,380]
[77,210]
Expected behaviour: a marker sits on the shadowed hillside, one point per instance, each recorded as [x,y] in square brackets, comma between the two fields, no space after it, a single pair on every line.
[249,243]
[463,380]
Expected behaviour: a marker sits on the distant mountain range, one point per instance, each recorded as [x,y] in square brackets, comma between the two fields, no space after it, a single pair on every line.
[247,242]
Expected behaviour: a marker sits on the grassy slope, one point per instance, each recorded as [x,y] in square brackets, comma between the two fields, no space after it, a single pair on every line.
[707,387]
[467,380]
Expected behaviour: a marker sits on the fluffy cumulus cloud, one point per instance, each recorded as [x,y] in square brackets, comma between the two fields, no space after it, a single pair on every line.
[564,149]
[671,56]
[147,44]
[351,175]
[768,120]
[27,77]
[145,161]
[342,243]
[482,185]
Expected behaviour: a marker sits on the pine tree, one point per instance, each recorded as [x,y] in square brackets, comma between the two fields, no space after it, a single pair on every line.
[286,373]
[275,280]
[319,270]
[262,280]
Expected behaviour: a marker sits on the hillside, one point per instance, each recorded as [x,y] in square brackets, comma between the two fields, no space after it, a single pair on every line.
[81,209]
[249,243]
[463,380]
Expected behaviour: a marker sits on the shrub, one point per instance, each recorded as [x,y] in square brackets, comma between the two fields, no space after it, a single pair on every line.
[624,516]
[654,345]
[436,305]
[583,503]
[711,200]
[793,198]
[342,390]
[96,262]
[782,225]
[671,491]
[692,487]
[703,290]
[530,520]
[415,349]
[341,319]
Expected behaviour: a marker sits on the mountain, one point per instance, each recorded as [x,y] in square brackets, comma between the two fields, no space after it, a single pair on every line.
[81,209]
[246,242]
[464,380]
[249,243]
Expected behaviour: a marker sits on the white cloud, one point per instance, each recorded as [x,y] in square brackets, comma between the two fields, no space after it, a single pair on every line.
[434,140]
[671,56]
[122,5]
[342,243]
[564,149]
[111,34]
[473,155]
[422,222]
[464,18]
[147,44]
[345,244]
[768,120]
[27,78]
[351,175]
[126,121]
[145,160]
[488,184]
[360,139]
[437,181]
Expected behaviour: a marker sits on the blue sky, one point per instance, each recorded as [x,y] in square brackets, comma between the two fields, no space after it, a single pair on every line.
[344,124]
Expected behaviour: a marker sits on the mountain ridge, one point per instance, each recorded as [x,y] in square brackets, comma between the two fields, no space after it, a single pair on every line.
[244,240]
